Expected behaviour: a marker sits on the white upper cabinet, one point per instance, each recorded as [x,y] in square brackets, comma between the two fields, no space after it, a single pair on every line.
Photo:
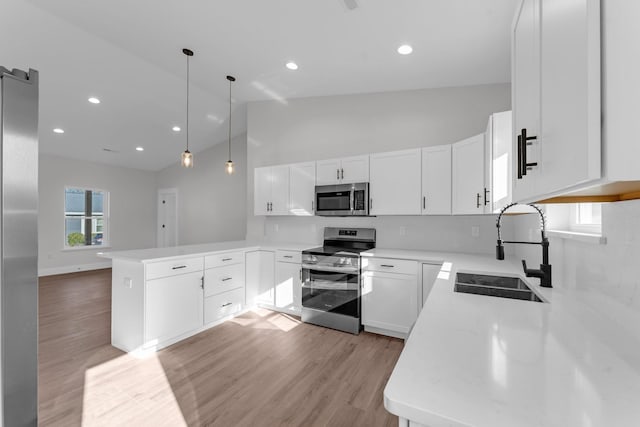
[347,170]
[499,151]
[395,183]
[271,190]
[436,180]
[556,96]
[302,181]
[468,189]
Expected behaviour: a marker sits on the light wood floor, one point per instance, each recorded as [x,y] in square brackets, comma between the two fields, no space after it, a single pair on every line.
[260,369]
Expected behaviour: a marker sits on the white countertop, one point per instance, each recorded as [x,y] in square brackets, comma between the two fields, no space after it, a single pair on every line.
[177,252]
[475,360]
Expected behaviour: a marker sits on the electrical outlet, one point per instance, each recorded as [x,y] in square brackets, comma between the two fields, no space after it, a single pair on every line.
[475,231]
[128,282]
[403,230]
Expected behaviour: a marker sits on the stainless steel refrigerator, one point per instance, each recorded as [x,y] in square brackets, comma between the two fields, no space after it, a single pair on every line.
[19,247]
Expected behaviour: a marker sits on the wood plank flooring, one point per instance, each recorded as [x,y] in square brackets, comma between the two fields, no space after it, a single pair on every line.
[260,369]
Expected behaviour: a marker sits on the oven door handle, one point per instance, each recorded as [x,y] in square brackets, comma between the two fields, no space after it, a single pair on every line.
[316,267]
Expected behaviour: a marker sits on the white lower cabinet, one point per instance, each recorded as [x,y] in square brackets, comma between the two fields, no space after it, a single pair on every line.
[390,296]
[260,277]
[173,307]
[288,283]
[222,305]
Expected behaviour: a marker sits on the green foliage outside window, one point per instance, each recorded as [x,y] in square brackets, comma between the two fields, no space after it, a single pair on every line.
[75,239]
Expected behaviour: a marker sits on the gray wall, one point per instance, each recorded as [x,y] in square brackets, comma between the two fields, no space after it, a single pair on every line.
[132,211]
[211,204]
[325,127]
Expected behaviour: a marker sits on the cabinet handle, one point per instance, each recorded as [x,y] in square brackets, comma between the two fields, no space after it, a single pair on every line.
[312,210]
[424,203]
[202,282]
[523,141]
[341,173]
[226,305]
[519,146]
[227,278]
[338,174]
[226,259]
[370,204]
[287,256]
[387,265]
[486,199]
[301,275]
[477,200]
[179,267]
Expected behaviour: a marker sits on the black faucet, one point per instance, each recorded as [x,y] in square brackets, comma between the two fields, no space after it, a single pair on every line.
[544,273]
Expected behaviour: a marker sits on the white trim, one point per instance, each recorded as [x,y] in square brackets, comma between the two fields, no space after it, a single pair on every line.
[73,268]
[597,239]
[84,248]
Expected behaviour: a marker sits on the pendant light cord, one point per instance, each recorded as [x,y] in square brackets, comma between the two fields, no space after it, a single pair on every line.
[229,120]
[187,102]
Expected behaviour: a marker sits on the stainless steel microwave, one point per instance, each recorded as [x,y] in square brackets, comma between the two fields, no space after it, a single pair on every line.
[342,200]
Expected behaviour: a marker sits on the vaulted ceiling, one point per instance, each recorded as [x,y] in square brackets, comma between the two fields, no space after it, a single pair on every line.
[128,54]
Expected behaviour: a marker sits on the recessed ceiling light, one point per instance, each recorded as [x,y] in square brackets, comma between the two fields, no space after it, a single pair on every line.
[58,130]
[139,149]
[94,100]
[405,49]
[291,65]
[176,128]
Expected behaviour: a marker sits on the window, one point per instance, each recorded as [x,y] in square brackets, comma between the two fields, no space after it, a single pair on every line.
[586,218]
[86,217]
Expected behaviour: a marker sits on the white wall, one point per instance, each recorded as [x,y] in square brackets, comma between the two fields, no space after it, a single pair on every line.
[325,127]
[132,211]
[211,204]
[607,277]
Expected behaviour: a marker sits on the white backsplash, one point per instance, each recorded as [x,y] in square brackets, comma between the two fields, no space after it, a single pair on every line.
[606,277]
[434,233]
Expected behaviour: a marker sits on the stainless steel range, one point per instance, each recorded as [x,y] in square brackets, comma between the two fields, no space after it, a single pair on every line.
[331,277]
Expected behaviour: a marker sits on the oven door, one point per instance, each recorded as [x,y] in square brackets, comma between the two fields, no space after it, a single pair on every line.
[331,291]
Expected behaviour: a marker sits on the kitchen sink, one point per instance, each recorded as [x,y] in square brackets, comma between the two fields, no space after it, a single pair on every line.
[495,286]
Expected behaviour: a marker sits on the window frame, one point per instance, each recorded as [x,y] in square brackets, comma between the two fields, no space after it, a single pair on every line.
[576,226]
[106,224]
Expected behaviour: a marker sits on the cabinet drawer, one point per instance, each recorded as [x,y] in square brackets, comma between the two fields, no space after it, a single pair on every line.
[224,304]
[156,270]
[223,279]
[389,265]
[289,256]
[219,260]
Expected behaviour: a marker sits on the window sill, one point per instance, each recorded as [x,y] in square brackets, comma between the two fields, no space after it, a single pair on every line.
[85,248]
[597,239]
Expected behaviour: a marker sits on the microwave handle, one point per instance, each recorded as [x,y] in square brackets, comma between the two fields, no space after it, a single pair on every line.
[352,200]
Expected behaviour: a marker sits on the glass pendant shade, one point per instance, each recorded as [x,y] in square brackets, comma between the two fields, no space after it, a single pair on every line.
[187,159]
[229,167]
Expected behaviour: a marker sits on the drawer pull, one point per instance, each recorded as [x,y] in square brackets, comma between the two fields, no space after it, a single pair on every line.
[227,278]
[287,256]
[226,305]
[178,267]
[227,259]
[387,265]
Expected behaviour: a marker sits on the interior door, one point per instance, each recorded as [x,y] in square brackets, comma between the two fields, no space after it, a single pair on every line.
[167,218]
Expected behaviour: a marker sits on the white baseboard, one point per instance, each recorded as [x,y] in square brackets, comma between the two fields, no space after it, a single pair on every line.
[73,268]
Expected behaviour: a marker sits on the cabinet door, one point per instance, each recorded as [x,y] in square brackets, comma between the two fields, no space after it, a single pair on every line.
[499,148]
[570,94]
[261,190]
[468,176]
[436,180]
[525,84]
[288,287]
[302,181]
[279,190]
[395,183]
[260,277]
[173,307]
[354,169]
[328,172]
[390,301]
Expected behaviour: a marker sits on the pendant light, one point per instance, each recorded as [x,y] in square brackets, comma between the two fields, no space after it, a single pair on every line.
[187,157]
[229,165]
